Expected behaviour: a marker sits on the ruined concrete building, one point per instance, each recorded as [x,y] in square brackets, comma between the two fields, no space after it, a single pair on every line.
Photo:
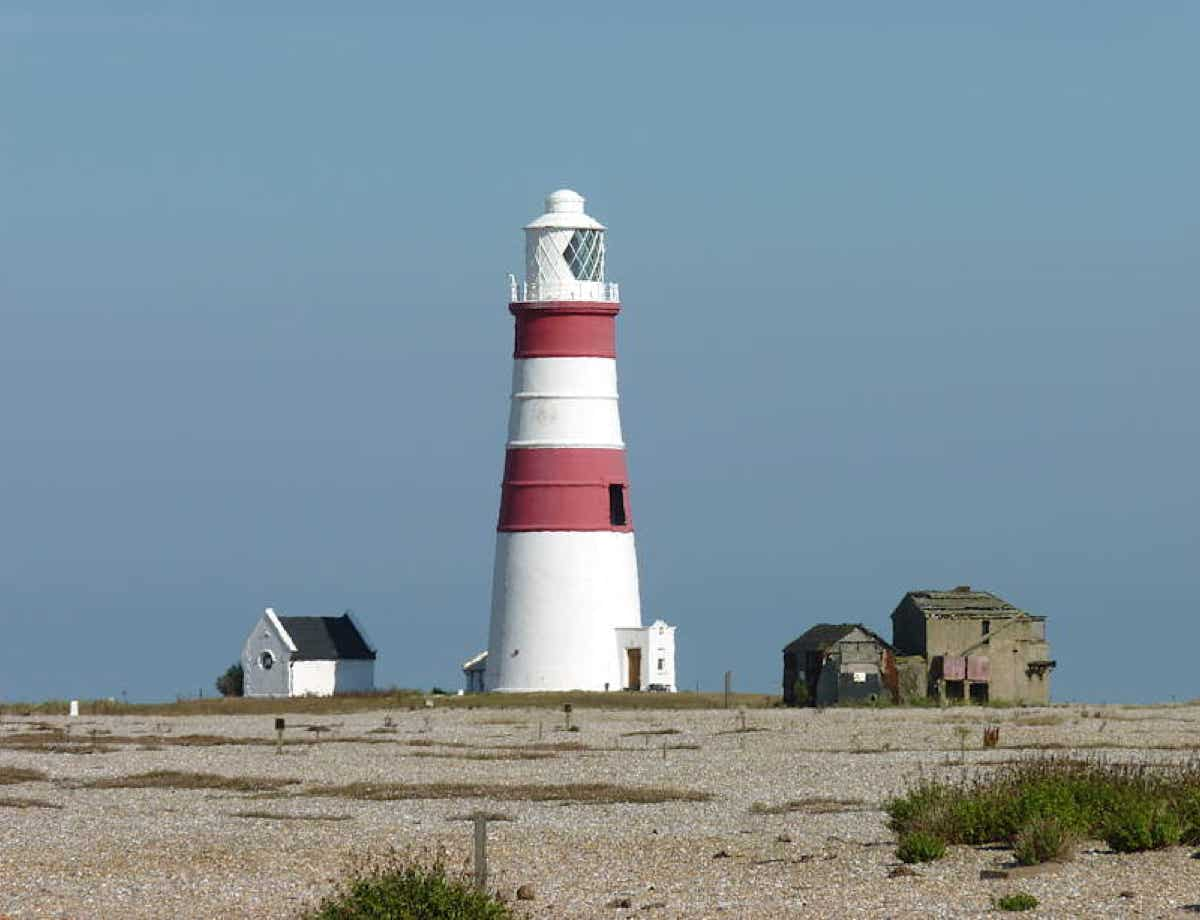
[959,645]
[976,646]
[838,663]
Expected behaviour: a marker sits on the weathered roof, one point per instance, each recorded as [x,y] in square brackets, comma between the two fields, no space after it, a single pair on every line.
[964,602]
[825,635]
[326,638]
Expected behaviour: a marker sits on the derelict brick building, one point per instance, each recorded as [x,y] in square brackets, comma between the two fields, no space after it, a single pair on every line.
[976,646]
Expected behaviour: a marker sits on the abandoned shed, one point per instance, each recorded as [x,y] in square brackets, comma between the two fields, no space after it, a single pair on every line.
[837,663]
[976,646]
[307,656]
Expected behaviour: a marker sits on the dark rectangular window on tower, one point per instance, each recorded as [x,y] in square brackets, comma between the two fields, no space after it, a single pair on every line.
[616,505]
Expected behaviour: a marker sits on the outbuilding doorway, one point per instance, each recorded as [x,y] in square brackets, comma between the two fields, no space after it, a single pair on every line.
[634,657]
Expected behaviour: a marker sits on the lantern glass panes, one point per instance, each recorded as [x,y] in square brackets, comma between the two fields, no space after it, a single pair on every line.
[585,255]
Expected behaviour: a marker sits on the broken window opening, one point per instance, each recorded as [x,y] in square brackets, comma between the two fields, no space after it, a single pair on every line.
[616,505]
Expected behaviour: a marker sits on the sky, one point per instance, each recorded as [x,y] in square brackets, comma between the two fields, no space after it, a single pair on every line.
[909,301]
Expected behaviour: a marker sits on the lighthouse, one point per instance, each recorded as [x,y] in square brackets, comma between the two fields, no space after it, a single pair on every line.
[566,611]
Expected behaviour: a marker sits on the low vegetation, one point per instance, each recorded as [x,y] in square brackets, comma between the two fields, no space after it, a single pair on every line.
[583,793]
[1042,806]
[395,891]
[174,779]
[1017,901]
[920,847]
[1044,839]
[398,699]
[811,806]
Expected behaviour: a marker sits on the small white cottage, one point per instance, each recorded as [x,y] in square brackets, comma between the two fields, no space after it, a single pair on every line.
[307,656]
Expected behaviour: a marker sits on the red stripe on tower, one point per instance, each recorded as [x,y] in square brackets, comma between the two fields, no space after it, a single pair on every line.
[565,330]
[565,489]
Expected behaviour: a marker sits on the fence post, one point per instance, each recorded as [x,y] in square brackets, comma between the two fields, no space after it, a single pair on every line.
[728,686]
[481,871]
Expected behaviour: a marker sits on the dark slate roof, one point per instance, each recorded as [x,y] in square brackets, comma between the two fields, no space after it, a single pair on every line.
[964,602]
[326,638]
[824,635]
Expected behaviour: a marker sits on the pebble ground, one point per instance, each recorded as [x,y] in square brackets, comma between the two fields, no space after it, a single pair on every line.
[170,853]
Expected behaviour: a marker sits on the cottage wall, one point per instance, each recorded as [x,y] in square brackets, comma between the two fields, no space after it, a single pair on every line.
[257,679]
[314,678]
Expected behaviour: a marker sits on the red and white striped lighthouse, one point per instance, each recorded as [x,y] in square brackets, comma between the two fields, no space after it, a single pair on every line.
[566,614]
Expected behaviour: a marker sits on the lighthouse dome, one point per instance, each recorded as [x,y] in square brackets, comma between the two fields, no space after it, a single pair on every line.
[564,201]
[564,210]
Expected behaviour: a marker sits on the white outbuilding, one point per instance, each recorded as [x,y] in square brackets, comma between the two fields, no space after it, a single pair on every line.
[307,656]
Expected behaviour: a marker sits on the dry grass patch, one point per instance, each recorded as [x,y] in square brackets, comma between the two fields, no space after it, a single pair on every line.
[744,730]
[10,776]
[651,731]
[486,755]
[584,793]
[1037,721]
[12,801]
[59,747]
[810,806]
[272,816]
[174,779]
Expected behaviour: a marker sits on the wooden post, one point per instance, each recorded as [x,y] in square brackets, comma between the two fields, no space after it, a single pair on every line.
[481,871]
[567,715]
[279,725]
[728,686]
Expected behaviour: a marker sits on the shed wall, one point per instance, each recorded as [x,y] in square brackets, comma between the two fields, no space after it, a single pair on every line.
[354,675]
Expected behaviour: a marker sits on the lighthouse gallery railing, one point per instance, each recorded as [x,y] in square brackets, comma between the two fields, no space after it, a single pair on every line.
[532,291]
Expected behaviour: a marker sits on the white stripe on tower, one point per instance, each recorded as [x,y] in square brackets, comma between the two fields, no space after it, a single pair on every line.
[565,402]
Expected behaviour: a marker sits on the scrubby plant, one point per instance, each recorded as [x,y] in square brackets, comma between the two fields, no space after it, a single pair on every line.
[1018,900]
[920,847]
[1136,805]
[1138,825]
[1044,839]
[388,890]
[232,682]
[800,693]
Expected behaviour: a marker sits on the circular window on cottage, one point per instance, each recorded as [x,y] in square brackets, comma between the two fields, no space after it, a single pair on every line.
[265,660]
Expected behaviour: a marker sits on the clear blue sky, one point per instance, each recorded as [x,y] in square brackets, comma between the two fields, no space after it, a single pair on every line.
[910,300]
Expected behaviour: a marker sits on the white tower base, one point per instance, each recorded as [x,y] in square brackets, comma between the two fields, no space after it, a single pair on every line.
[551,632]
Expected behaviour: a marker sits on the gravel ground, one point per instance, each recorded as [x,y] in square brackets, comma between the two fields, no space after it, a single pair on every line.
[128,853]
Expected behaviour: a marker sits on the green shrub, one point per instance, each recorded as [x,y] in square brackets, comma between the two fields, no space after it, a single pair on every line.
[920,846]
[408,893]
[1018,900]
[1188,810]
[1139,825]
[232,682]
[1131,806]
[1044,839]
